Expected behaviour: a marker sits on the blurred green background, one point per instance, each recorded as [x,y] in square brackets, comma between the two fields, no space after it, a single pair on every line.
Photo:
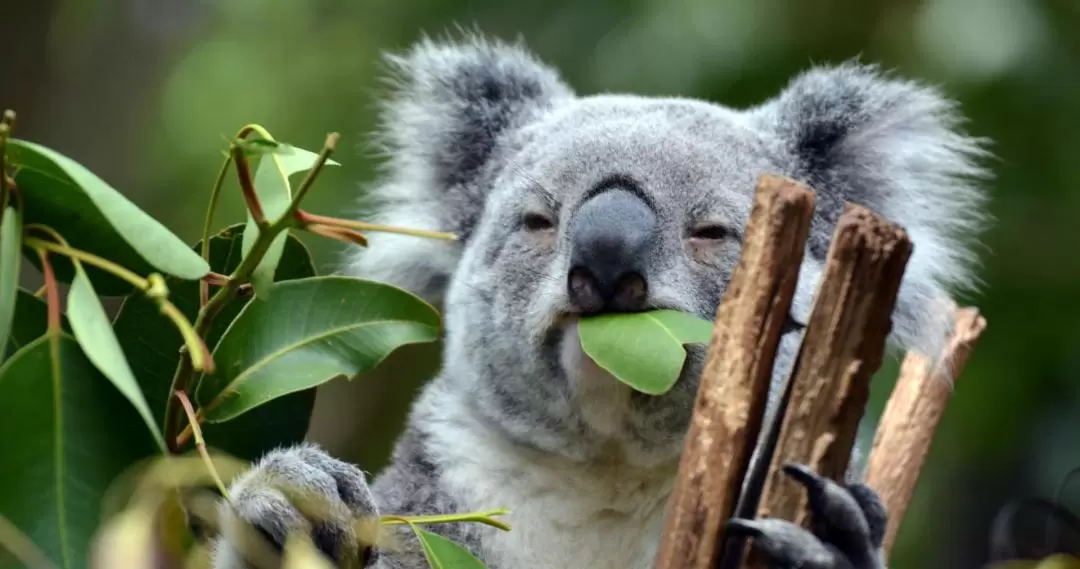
[144,92]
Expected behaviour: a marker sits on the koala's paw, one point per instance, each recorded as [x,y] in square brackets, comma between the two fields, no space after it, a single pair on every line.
[295,490]
[848,526]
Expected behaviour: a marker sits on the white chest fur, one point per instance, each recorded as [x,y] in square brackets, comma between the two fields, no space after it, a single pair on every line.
[564,515]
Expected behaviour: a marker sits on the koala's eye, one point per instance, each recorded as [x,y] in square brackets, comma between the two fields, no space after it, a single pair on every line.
[537,222]
[710,231]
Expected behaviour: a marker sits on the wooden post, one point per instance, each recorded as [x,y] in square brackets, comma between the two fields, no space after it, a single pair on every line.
[911,417]
[842,348]
[734,386]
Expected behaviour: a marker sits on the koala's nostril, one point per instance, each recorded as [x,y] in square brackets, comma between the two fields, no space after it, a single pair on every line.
[585,290]
[630,292]
[612,239]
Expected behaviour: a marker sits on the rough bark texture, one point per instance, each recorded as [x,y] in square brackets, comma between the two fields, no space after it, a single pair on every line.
[841,350]
[911,417]
[734,385]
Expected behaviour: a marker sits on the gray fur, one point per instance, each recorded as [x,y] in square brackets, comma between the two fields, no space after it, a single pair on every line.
[478,135]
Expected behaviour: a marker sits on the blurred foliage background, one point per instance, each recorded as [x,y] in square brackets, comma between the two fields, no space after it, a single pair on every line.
[144,92]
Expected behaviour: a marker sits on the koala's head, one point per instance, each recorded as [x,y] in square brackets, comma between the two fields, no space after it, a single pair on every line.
[568,205]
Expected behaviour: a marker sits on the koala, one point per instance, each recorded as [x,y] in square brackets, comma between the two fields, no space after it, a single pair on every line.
[568,205]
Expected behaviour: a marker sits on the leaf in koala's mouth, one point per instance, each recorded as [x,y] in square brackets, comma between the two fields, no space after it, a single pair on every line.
[643,349]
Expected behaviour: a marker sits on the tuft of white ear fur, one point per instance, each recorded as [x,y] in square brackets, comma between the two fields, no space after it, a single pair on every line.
[449,108]
[856,134]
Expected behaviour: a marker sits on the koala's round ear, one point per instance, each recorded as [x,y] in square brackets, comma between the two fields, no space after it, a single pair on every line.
[857,134]
[450,106]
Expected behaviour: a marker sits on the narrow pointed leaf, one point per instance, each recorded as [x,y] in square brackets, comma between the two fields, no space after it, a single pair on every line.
[308,332]
[10,245]
[69,434]
[644,349]
[61,193]
[443,553]
[275,194]
[94,332]
[152,347]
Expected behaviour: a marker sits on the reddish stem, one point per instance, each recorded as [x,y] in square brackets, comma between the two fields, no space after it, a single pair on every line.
[247,186]
[52,293]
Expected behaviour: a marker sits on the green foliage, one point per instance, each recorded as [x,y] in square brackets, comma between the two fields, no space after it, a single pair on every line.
[307,332]
[441,553]
[58,192]
[68,434]
[30,322]
[94,332]
[643,349]
[91,398]
[239,323]
[151,350]
[275,194]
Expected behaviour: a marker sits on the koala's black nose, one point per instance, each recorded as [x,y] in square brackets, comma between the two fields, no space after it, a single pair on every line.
[611,238]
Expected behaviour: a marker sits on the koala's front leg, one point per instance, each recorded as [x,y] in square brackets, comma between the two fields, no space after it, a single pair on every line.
[259,498]
[848,526]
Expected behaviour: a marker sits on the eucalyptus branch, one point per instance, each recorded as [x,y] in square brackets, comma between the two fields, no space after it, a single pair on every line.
[52,291]
[305,219]
[7,124]
[153,287]
[204,288]
[309,178]
[209,311]
[90,259]
[200,444]
[486,518]
[247,186]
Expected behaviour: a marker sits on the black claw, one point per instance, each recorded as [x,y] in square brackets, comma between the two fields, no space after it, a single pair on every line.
[741,527]
[803,475]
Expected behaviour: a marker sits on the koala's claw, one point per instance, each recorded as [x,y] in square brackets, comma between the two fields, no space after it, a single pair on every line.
[299,489]
[847,527]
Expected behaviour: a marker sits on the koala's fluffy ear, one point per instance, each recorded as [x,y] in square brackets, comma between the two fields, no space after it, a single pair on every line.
[449,109]
[858,135]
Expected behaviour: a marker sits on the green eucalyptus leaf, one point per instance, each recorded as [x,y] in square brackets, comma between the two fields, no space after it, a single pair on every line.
[94,332]
[643,349]
[152,346]
[442,553]
[307,333]
[69,434]
[275,194]
[92,216]
[10,245]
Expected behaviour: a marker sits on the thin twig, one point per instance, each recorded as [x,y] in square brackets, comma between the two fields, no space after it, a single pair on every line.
[309,178]
[915,407]
[200,444]
[247,187]
[305,217]
[215,192]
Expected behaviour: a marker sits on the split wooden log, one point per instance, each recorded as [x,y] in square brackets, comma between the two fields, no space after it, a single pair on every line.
[730,403]
[842,348]
[914,409]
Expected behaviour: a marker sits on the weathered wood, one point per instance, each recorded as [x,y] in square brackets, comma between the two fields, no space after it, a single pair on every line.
[734,385]
[906,429]
[842,348]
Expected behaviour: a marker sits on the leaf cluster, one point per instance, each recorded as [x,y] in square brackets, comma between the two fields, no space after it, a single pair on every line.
[212,359]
